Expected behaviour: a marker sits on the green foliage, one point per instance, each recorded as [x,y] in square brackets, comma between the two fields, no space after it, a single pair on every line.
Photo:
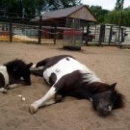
[119,4]
[30,8]
[119,17]
[99,12]
[18,8]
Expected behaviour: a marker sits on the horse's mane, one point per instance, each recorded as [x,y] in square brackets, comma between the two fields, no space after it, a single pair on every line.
[97,87]
[119,101]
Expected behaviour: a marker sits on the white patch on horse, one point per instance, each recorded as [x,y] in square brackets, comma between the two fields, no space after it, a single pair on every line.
[13,86]
[45,100]
[64,67]
[33,66]
[57,70]
[3,70]
[90,77]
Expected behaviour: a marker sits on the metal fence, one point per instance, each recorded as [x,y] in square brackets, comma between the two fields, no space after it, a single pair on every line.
[88,35]
[110,35]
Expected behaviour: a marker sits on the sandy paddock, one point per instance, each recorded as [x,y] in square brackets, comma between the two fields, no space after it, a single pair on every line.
[111,64]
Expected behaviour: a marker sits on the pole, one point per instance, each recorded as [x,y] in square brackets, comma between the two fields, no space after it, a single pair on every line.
[10,29]
[40,32]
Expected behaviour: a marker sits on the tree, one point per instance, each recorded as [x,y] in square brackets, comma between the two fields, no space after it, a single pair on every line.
[119,4]
[30,8]
[99,12]
[119,17]
[58,4]
[19,8]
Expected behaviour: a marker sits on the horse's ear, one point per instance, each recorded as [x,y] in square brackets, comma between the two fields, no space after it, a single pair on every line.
[29,65]
[113,86]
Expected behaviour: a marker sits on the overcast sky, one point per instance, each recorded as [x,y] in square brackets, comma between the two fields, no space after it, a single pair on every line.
[106,4]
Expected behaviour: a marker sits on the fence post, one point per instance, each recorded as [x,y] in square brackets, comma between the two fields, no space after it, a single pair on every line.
[10,30]
[119,41]
[110,35]
[55,31]
[39,31]
[102,34]
[82,34]
[87,34]
[122,35]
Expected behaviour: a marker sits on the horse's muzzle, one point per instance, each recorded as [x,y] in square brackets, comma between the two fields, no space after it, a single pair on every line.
[104,111]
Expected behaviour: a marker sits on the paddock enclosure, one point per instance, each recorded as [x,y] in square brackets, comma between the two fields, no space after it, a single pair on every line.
[111,64]
[95,34]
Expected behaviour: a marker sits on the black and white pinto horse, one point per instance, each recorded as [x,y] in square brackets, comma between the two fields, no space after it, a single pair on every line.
[69,77]
[14,73]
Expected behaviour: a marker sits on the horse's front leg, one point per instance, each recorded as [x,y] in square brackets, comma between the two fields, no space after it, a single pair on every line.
[45,100]
[3,90]
[11,86]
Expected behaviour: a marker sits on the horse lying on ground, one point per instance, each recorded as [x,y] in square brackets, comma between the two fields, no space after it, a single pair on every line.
[13,73]
[68,77]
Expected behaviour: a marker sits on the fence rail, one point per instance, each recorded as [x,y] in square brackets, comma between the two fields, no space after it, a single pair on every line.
[88,35]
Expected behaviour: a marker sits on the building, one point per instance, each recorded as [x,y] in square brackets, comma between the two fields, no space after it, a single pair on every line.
[73,18]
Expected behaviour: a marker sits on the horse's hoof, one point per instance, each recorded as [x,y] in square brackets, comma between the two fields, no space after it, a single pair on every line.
[33,66]
[32,109]
[5,91]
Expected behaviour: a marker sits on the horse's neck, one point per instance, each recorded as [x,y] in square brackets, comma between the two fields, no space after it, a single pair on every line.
[97,87]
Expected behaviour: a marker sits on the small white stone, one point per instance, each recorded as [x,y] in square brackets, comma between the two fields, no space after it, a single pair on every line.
[23,99]
[19,95]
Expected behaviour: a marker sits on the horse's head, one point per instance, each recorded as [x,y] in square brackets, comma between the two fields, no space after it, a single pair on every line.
[104,102]
[17,70]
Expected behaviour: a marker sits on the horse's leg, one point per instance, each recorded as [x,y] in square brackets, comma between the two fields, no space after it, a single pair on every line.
[41,63]
[26,79]
[43,101]
[3,90]
[50,102]
[13,86]
[57,99]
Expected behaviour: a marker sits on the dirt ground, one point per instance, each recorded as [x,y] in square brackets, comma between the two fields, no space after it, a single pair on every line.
[111,64]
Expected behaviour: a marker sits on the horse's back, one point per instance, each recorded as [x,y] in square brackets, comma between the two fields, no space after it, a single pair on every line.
[62,67]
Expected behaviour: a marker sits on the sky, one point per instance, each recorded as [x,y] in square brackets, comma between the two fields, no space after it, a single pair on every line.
[105,4]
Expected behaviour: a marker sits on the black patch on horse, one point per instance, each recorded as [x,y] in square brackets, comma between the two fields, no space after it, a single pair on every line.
[2,80]
[52,78]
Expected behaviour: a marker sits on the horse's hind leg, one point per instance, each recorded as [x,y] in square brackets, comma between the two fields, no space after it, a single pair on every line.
[41,63]
[48,99]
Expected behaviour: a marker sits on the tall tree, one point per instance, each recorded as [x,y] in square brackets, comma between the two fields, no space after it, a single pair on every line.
[119,5]
[18,8]
[99,12]
[58,4]
[27,8]
[115,17]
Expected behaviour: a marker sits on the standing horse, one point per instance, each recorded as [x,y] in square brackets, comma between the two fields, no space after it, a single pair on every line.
[69,77]
[13,73]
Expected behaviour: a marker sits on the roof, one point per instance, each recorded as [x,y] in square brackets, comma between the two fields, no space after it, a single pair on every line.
[61,13]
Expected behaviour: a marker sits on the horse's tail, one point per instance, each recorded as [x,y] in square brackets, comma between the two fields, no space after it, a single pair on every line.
[37,72]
